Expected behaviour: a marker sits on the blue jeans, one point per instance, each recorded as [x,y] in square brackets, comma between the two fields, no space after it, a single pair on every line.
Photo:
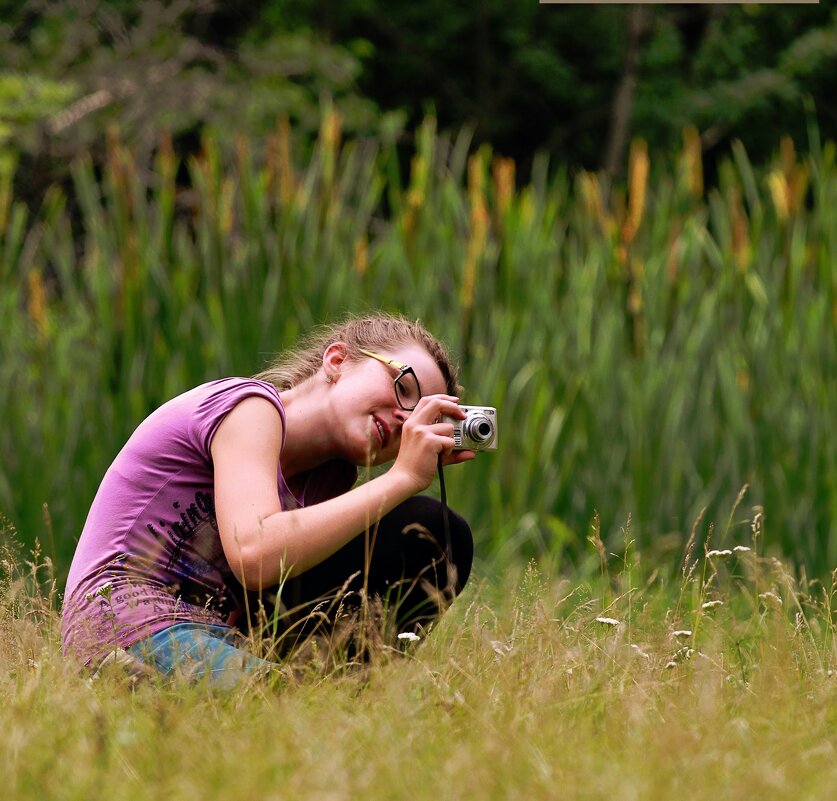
[201,652]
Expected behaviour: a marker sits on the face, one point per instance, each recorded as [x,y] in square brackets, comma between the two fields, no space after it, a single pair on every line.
[365,400]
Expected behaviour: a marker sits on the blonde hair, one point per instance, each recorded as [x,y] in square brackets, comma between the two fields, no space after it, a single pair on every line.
[377,332]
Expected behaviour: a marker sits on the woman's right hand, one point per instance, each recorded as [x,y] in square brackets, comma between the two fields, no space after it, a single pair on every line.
[424,438]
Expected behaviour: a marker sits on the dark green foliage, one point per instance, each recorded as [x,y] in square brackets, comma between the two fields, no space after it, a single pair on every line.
[532,77]
[159,66]
[525,77]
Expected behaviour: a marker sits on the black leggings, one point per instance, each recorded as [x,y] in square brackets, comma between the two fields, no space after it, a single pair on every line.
[404,560]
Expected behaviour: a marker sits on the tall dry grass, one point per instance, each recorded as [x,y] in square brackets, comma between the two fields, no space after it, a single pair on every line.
[717,684]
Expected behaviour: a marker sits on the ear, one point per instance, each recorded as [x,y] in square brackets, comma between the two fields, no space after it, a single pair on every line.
[335,355]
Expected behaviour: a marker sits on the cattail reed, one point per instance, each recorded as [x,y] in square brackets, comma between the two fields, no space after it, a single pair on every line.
[329,144]
[741,251]
[591,194]
[692,161]
[360,258]
[478,230]
[638,167]
[37,304]
[796,177]
[415,198]
[5,194]
[503,170]
[780,194]
[279,166]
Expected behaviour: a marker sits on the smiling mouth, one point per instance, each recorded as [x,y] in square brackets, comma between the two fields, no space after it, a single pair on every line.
[381,431]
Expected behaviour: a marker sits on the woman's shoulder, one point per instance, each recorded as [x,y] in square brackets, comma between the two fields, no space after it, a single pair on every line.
[208,403]
[211,402]
[235,386]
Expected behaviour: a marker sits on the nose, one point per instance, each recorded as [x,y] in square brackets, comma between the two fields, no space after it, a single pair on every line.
[400,416]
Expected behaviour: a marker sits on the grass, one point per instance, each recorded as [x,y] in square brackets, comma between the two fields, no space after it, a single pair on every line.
[519,693]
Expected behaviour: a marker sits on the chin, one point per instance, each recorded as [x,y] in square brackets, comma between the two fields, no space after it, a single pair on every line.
[371,457]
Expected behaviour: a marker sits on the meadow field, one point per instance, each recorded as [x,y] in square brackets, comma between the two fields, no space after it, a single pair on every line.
[651,612]
[717,681]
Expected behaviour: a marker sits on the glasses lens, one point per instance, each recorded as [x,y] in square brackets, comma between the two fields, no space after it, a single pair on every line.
[407,391]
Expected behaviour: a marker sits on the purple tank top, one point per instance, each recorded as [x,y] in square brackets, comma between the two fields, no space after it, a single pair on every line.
[149,555]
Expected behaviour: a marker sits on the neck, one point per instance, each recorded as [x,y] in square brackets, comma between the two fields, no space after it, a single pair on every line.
[308,443]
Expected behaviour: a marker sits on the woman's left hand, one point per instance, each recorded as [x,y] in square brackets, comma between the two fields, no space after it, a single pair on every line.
[425,436]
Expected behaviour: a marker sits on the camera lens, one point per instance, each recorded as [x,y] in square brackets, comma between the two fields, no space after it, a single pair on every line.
[478,428]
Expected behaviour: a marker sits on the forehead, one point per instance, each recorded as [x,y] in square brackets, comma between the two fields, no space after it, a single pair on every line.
[425,367]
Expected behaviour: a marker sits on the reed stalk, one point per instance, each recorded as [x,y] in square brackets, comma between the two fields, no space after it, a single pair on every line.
[648,355]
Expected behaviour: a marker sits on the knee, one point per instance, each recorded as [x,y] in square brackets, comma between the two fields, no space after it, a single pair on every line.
[422,516]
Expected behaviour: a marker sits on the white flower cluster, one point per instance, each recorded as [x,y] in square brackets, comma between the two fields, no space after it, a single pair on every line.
[770,599]
[100,592]
[725,553]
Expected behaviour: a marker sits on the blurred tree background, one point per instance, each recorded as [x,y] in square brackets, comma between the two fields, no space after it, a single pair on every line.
[574,81]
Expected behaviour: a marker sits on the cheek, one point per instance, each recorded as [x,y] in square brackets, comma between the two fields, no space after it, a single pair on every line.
[381,396]
[364,396]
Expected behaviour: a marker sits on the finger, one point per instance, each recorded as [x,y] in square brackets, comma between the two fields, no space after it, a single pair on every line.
[458,457]
[432,407]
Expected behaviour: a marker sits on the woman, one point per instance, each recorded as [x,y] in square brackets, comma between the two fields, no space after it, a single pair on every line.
[241,485]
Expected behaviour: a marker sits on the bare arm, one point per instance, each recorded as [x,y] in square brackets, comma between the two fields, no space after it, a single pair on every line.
[260,539]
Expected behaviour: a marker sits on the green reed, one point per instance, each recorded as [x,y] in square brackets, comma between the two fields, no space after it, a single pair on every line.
[651,348]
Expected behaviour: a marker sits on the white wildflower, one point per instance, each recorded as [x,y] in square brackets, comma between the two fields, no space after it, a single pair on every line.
[719,554]
[500,648]
[741,549]
[408,636]
[711,605]
[770,599]
[639,651]
[681,655]
[101,592]
[608,621]
[681,634]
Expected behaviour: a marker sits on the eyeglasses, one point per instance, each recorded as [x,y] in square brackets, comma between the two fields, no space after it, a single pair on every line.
[407,389]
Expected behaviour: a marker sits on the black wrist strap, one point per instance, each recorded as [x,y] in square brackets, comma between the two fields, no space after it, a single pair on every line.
[445,519]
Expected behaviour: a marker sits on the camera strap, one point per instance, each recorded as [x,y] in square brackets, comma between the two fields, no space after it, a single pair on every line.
[445,518]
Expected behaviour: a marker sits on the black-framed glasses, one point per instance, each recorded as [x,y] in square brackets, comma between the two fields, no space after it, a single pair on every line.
[407,388]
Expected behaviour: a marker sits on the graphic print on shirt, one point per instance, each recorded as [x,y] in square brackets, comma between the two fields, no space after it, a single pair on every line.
[194,534]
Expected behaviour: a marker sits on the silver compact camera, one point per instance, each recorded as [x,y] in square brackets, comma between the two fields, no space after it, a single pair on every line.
[477,432]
